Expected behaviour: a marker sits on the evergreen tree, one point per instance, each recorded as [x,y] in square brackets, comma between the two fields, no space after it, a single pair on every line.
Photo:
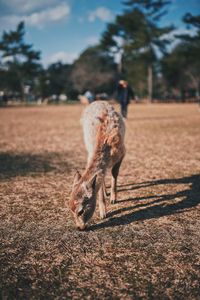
[181,67]
[192,50]
[20,59]
[55,80]
[94,70]
[136,33]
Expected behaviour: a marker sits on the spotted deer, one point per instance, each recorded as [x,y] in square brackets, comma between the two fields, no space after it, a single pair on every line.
[104,131]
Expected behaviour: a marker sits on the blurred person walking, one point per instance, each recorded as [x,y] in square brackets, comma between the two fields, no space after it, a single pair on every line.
[124,95]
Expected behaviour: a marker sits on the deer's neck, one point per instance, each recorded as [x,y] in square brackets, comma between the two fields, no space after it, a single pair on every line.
[98,164]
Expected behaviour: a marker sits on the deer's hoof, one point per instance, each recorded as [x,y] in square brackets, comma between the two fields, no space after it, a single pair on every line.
[102,216]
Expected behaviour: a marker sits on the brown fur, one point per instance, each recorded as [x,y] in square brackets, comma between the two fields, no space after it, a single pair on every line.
[109,151]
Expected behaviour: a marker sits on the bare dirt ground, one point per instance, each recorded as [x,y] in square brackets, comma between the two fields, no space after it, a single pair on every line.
[147,248]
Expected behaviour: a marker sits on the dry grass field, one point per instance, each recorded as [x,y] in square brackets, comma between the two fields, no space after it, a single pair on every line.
[149,245]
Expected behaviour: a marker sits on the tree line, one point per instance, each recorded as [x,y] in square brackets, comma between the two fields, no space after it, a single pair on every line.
[134,47]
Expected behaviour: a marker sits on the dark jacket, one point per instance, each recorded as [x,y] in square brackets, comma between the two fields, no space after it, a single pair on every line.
[124,94]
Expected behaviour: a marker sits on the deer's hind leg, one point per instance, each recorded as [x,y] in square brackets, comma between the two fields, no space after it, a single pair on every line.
[114,172]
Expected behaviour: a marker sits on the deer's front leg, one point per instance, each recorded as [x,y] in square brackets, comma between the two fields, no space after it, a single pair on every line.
[104,189]
[102,202]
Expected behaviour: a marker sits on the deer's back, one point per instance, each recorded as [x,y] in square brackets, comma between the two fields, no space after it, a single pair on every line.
[96,114]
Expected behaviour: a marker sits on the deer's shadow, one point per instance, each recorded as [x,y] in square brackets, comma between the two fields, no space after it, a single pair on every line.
[155,206]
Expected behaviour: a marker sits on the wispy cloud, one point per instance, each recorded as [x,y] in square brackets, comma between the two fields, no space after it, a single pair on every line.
[27,6]
[174,40]
[50,15]
[101,13]
[171,36]
[62,56]
[92,40]
[8,22]
[37,19]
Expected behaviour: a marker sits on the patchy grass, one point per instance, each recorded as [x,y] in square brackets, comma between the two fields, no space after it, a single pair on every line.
[147,248]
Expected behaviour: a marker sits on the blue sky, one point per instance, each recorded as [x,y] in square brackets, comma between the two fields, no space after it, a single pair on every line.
[62,29]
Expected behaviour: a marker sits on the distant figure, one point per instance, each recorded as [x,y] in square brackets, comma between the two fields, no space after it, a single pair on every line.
[89,96]
[124,95]
[86,98]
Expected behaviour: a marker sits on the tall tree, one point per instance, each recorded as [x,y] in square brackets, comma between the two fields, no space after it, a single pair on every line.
[192,50]
[94,70]
[20,58]
[55,80]
[181,67]
[137,33]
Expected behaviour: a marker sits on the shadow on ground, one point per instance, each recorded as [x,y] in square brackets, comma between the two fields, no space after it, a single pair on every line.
[13,165]
[155,206]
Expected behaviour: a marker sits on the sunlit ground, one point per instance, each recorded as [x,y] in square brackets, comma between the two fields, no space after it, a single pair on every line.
[147,248]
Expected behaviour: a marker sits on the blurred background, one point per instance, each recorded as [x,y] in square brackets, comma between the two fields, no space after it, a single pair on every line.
[53,51]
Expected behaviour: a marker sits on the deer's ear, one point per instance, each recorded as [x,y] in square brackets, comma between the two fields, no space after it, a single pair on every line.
[92,182]
[77,177]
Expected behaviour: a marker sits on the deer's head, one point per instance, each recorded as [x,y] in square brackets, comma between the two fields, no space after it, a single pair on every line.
[83,200]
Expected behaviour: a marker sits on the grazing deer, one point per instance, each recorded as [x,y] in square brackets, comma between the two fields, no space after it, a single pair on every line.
[104,132]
